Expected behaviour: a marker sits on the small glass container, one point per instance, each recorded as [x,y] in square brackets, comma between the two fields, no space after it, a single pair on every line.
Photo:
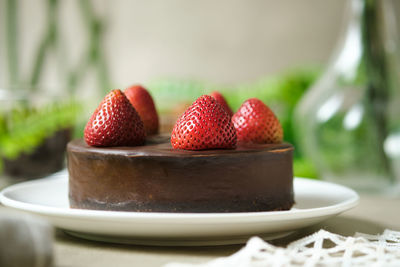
[34,130]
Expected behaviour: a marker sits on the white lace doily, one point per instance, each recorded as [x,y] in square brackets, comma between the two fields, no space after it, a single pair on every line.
[319,249]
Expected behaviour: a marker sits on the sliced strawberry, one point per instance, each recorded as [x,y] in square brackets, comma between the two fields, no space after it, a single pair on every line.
[142,101]
[256,123]
[221,100]
[204,125]
[115,122]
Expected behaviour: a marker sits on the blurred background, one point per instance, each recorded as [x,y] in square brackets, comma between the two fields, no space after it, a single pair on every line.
[59,58]
[219,41]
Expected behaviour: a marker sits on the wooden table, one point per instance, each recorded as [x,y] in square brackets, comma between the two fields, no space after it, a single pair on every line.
[372,215]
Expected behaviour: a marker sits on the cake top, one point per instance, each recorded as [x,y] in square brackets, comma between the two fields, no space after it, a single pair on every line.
[160,145]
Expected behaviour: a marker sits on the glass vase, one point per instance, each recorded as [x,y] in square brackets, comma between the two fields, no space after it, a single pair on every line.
[348,122]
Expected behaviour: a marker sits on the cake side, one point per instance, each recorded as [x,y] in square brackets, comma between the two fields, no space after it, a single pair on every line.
[157,178]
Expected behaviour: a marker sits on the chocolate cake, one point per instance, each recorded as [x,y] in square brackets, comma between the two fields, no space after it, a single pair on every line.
[157,178]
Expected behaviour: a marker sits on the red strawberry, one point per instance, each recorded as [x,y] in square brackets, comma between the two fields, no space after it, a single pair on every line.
[114,123]
[204,125]
[256,123]
[221,100]
[143,103]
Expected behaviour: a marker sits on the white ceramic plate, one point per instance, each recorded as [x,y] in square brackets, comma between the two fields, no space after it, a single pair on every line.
[48,197]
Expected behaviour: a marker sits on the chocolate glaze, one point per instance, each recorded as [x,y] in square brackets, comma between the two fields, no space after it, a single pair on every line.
[157,178]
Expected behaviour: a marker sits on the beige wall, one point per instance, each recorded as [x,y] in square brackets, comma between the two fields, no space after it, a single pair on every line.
[225,41]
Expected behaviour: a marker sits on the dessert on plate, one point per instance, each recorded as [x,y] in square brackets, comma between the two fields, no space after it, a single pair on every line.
[211,162]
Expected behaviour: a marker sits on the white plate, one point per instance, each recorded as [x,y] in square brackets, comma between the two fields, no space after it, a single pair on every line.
[48,197]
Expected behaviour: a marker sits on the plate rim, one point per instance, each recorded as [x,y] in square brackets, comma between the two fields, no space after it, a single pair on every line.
[292,214]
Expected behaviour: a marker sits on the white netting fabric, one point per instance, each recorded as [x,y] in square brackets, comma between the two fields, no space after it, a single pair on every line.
[319,249]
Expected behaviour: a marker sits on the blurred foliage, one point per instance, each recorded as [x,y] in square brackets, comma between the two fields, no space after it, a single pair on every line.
[281,92]
[347,148]
[49,45]
[23,128]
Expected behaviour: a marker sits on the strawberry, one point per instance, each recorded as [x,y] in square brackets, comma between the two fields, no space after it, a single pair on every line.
[115,122]
[204,125]
[142,101]
[221,100]
[256,123]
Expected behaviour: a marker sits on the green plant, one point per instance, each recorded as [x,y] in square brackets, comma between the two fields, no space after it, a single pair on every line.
[24,128]
[92,58]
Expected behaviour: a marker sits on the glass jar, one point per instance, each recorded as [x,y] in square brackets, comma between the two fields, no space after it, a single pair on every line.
[348,122]
[34,130]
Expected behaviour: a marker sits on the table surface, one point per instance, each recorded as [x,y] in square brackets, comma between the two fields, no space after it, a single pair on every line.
[373,215]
